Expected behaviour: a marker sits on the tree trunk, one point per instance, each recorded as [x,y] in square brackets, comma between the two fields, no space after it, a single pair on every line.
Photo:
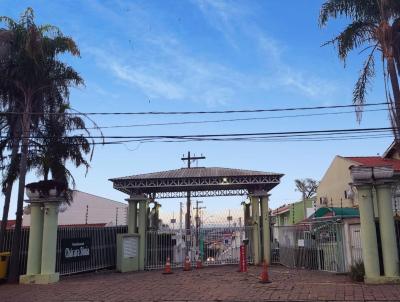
[4,220]
[7,199]
[26,122]
[396,94]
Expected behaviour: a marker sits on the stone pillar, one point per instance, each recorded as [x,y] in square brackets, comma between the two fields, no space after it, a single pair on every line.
[143,204]
[266,227]
[35,239]
[255,214]
[49,244]
[368,232]
[387,230]
[132,214]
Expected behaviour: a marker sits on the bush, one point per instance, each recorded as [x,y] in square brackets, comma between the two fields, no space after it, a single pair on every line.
[357,271]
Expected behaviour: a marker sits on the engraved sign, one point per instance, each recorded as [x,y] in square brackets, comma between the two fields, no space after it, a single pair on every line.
[130,246]
[75,249]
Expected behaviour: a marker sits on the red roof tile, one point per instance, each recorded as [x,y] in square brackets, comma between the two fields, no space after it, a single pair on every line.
[376,161]
[10,224]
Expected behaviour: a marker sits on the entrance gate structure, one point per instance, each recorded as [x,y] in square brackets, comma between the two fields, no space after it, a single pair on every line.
[144,248]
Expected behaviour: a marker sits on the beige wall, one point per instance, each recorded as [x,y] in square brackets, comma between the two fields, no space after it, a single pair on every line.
[100,210]
[335,181]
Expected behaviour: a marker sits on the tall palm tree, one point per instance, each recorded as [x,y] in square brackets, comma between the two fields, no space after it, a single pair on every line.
[375,26]
[34,69]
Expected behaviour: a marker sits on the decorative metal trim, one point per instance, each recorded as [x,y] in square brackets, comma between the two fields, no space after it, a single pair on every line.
[209,193]
[198,182]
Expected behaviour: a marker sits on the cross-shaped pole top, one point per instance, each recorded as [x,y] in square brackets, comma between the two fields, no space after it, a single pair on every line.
[190,158]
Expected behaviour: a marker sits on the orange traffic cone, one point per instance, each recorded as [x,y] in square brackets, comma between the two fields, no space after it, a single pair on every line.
[199,264]
[167,269]
[188,265]
[264,278]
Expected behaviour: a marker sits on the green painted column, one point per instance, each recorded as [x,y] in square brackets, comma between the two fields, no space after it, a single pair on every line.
[35,239]
[132,215]
[266,228]
[143,204]
[387,230]
[255,215]
[49,244]
[368,232]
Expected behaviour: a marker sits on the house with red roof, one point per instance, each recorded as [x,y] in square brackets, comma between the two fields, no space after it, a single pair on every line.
[335,190]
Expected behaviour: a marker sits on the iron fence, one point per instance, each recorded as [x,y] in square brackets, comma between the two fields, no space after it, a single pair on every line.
[317,246]
[213,246]
[102,255]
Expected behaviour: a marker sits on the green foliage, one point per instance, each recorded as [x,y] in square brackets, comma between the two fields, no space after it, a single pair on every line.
[374,25]
[357,271]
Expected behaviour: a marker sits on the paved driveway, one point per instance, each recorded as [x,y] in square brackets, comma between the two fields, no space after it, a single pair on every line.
[209,284]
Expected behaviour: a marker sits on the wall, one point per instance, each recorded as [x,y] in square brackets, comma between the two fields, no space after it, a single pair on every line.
[295,213]
[335,182]
[99,210]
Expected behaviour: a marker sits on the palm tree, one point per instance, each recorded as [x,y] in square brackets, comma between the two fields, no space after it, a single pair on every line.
[60,139]
[34,69]
[375,26]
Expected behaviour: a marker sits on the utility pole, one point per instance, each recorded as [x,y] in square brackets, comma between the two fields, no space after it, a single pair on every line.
[87,214]
[180,217]
[189,160]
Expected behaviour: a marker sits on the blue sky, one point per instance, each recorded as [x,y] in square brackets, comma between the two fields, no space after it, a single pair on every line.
[208,55]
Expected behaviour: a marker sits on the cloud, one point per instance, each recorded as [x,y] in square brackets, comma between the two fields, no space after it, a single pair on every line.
[232,19]
[178,77]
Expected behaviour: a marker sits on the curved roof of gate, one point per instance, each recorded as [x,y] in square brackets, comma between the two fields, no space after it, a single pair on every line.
[224,181]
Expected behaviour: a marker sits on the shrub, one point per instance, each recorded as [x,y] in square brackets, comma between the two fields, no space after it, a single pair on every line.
[357,271]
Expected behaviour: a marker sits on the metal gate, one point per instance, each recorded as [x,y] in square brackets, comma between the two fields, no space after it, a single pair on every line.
[213,246]
[103,248]
[316,246]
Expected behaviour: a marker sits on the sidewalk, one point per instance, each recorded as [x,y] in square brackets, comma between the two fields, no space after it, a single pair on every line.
[210,284]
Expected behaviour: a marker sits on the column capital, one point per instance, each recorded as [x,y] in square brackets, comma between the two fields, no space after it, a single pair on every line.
[384,183]
[260,193]
[137,197]
[360,184]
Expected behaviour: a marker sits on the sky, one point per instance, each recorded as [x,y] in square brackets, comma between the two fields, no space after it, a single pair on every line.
[197,55]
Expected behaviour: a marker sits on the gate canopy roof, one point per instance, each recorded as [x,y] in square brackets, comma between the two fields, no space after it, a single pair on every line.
[199,181]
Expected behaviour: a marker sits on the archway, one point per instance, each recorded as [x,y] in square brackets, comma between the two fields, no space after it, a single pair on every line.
[154,246]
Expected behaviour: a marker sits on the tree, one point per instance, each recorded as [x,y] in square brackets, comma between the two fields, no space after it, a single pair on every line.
[308,188]
[34,70]
[375,26]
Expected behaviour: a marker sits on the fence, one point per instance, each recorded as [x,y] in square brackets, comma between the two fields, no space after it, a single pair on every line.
[317,246]
[103,248]
[213,246]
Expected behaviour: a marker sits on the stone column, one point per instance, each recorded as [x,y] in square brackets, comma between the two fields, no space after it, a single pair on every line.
[35,239]
[387,230]
[132,214]
[255,214]
[368,232]
[143,204]
[49,244]
[266,227]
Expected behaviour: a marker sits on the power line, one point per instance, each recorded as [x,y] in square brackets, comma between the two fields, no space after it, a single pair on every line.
[229,120]
[200,112]
[221,135]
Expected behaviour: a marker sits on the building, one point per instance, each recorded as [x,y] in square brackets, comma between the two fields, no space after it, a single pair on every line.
[335,190]
[292,213]
[89,209]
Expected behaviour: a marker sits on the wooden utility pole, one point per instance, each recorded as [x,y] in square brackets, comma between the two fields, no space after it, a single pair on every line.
[189,160]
